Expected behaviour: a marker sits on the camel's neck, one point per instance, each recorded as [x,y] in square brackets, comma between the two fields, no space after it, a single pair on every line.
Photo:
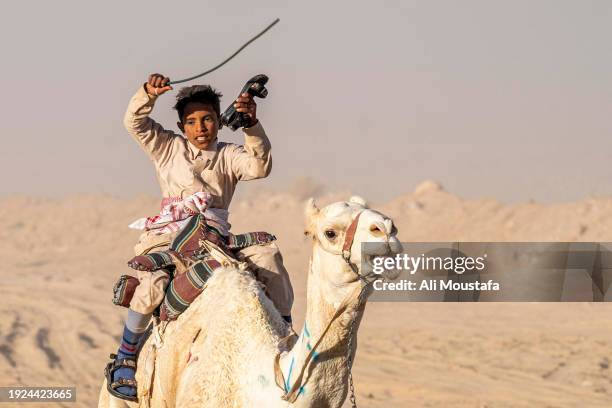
[327,371]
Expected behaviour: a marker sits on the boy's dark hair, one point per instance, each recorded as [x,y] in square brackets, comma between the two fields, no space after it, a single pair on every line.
[198,93]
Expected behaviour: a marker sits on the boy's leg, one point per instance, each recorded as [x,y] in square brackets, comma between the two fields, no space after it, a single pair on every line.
[266,262]
[135,326]
[147,296]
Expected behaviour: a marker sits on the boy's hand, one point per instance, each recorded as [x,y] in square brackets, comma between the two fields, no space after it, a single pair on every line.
[245,104]
[157,84]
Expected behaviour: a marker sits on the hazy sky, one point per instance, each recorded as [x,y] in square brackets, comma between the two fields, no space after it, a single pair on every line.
[511,99]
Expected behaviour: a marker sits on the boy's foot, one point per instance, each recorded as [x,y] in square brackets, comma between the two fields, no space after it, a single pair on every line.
[120,372]
[120,378]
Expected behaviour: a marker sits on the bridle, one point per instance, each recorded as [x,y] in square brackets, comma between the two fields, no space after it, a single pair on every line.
[292,394]
[346,253]
[348,244]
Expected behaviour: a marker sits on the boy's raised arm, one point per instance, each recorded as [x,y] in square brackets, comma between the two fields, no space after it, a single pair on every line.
[150,135]
[254,159]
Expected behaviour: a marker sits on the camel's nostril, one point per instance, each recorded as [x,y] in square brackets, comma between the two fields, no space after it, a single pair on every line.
[377,230]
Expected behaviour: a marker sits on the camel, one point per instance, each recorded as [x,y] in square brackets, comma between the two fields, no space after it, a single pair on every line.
[231,347]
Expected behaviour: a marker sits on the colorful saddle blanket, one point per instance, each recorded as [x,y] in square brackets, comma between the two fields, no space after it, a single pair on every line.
[197,264]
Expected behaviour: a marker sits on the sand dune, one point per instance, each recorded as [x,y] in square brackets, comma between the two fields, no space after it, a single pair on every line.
[61,258]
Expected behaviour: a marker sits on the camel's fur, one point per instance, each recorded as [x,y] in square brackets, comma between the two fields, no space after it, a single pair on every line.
[220,352]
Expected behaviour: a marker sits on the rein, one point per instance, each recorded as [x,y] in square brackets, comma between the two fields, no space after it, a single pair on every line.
[292,394]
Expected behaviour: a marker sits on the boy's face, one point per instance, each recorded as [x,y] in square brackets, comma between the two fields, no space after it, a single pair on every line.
[200,124]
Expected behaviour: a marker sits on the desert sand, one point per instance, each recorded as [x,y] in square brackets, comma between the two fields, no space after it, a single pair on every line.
[62,256]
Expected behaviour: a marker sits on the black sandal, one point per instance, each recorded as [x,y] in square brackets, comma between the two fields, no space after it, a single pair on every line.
[121,382]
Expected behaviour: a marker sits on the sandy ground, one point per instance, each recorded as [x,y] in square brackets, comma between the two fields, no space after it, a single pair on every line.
[61,258]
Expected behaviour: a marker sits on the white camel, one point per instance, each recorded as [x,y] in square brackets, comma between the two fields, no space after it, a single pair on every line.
[231,347]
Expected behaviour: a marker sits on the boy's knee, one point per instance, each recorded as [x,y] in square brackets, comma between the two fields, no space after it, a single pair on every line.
[265,256]
[267,264]
[150,292]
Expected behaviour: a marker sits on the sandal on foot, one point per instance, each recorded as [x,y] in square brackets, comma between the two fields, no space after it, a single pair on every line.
[112,386]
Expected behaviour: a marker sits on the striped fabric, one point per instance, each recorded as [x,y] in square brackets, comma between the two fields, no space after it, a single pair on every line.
[237,242]
[184,288]
[187,242]
[129,344]
[153,261]
[123,291]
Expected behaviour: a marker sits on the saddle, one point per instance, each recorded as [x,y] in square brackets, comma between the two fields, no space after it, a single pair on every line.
[192,257]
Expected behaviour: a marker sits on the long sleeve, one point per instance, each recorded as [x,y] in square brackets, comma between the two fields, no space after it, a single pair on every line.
[150,135]
[254,159]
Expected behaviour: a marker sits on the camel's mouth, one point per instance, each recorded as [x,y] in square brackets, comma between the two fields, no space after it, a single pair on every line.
[369,260]
[373,258]
[376,266]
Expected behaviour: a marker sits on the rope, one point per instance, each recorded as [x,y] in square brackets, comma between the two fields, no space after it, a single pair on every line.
[227,59]
[292,394]
[349,360]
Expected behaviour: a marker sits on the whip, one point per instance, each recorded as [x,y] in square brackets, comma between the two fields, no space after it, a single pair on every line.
[227,59]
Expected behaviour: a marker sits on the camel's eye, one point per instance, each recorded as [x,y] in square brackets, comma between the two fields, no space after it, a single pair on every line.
[330,234]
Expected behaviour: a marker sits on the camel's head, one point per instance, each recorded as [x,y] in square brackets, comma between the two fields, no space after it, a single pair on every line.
[331,228]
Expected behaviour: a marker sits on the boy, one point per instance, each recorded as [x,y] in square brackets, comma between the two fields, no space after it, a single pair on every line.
[186,165]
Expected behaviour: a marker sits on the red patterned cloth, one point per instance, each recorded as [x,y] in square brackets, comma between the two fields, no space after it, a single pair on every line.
[176,212]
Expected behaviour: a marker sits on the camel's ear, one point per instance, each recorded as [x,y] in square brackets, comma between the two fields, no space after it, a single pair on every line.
[359,201]
[311,208]
[311,211]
